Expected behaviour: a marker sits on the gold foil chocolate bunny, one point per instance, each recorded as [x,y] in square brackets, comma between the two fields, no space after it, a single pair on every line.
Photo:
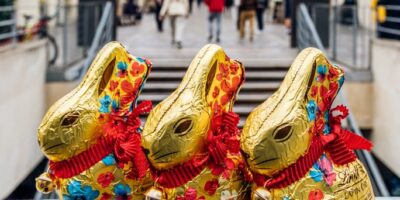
[92,135]
[191,138]
[294,144]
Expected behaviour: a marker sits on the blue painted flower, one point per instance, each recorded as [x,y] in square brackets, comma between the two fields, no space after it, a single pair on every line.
[109,160]
[122,189]
[311,110]
[316,173]
[327,129]
[322,71]
[286,197]
[76,191]
[140,60]
[115,106]
[105,104]
[122,66]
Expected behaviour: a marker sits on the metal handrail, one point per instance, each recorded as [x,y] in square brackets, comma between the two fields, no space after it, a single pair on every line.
[305,25]
[12,34]
[103,34]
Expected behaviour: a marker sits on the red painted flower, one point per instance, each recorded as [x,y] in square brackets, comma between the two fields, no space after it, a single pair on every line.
[224,72]
[333,73]
[137,69]
[105,179]
[113,85]
[190,194]
[211,186]
[106,196]
[314,91]
[216,107]
[234,67]
[130,90]
[316,195]
[216,92]
[229,89]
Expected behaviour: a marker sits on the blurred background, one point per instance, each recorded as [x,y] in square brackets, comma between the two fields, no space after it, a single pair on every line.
[46,47]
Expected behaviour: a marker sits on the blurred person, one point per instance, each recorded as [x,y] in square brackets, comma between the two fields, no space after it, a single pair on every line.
[236,13]
[228,8]
[190,6]
[215,8]
[159,21]
[288,10]
[177,11]
[261,6]
[247,13]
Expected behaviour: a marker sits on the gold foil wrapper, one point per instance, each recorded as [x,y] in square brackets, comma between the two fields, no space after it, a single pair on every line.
[279,131]
[76,122]
[176,129]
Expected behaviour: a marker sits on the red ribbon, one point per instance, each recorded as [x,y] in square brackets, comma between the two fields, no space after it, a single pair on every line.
[339,145]
[123,139]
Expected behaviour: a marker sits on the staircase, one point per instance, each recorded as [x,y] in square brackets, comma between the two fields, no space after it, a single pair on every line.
[260,83]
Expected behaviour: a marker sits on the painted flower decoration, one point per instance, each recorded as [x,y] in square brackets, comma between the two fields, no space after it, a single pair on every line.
[316,195]
[130,90]
[316,173]
[322,70]
[311,110]
[105,179]
[76,191]
[190,194]
[211,186]
[229,89]
[234,67]
[224,72]
[106,196]
[286,197]
[105,103]
[122,69]
[109,160]
[215,92]
[326,168]
[137,69]
[113,85]
[122,191]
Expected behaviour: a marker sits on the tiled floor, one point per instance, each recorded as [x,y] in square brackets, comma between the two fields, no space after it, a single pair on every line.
[269,48]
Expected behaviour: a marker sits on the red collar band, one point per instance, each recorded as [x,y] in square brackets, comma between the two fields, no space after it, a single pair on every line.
[81,162]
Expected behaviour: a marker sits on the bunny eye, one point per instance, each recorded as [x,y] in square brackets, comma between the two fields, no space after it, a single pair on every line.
[183,127]
[70,119]
[283,134]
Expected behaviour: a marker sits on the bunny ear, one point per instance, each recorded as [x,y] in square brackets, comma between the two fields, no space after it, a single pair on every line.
[223,83]
[122,78]
[324,83]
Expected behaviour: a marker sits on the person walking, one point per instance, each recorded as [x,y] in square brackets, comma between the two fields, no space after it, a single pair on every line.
[159,21]
[215,8]
[177,11]
[261,6]
[247,13]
